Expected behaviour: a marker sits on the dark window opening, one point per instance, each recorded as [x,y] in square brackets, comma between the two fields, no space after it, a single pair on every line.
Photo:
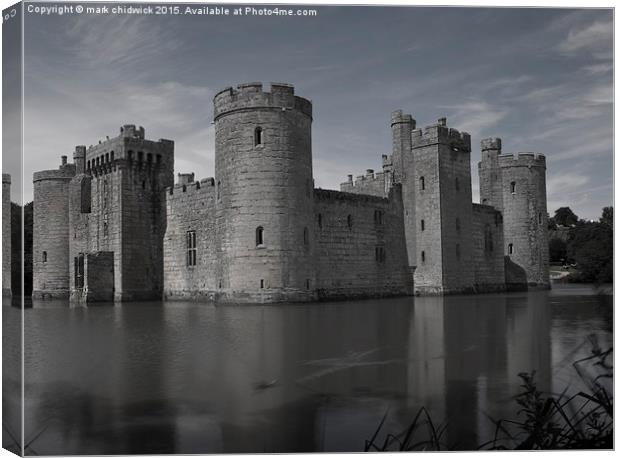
[259,236]
[140,156]
[513,187]
[380,254]
[378,217]
[539,218]
[258,136]
[262,283]
[44,256]
[350,222]
[144,185]
[308,283]
[219,285]
[87,165]
[107,157]
[423,257]
[457,184]
[149,157]
[112,156]
[422,183]
[422,225]
[510,248]
[319,219]
[484,201]
[130,155]
[191,247]
[306,237]
[159,159]
[78,271]
[219,185]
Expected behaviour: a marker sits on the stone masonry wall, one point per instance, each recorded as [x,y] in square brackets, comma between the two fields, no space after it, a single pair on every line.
[487,249]
[190,207]
[525,217]
[50,232]
[99,276]
[349,234]
[6,234]
[373,184]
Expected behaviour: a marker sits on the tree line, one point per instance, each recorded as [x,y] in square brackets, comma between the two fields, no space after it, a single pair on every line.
[585,245]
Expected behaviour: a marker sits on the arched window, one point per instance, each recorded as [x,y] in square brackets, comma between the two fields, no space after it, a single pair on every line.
[422,183]
[44,256]
[513,187]
[350,222]
[258,136]
[259,236]
[306,237]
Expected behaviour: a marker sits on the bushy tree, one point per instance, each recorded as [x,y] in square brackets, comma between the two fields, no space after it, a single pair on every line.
[564,216]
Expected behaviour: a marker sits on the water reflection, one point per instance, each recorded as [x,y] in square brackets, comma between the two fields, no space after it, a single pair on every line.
[196,378]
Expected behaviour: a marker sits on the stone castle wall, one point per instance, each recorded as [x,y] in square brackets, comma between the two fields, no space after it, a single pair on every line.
[372,184]
[263,169]
[487,249]
[360,245]
[443,210]
[525,216]
[50,249]
[190,207]
[6,234]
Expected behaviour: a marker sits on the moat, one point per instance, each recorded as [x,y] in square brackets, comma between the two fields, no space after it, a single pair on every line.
[196,378]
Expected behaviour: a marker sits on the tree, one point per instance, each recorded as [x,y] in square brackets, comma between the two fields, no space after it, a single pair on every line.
[564,216]
[607,217]
[590,245]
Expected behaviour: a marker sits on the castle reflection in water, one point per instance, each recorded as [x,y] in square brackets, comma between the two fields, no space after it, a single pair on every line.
[194,378]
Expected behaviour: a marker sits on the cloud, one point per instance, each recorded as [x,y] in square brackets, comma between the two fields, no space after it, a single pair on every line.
[596,38]
[475,116]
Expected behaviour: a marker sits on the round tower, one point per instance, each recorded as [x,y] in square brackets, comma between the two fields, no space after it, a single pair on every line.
[50,249]
[264,194]
[524,191]
[489,174]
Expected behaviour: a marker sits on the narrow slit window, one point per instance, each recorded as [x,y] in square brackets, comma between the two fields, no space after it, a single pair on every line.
[510,248]
[457,185]
[422,183]
[513,187]
[423,257]
[44,256]
[262,283]
[219,186]
[539,218]
[350,222]
[319,220]
[259,236]
[306,237]
[258,136]
[422,225]
[191,248]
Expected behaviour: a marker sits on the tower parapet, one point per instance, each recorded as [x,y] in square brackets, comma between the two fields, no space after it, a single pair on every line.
[523,160]
[251,96]
[440,134]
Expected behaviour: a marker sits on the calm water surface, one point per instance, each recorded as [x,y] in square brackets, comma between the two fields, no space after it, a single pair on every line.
[197,378]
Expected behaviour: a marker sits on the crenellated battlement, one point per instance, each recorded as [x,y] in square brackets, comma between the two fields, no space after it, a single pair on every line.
[64,172]
[131,131]
[522,160]
[328,194]
[188,188]
[487,144]
[398,117]
[252,96]
[441,134]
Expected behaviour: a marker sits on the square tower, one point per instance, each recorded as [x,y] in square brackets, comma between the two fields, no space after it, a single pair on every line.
[443,210]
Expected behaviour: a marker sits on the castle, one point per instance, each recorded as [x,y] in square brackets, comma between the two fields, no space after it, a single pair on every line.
[113,225]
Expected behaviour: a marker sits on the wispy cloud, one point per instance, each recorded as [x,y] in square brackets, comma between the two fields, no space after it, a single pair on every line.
[594,38]
[475,116]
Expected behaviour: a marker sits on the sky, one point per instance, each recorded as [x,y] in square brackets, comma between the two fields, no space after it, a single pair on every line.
[541,79]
